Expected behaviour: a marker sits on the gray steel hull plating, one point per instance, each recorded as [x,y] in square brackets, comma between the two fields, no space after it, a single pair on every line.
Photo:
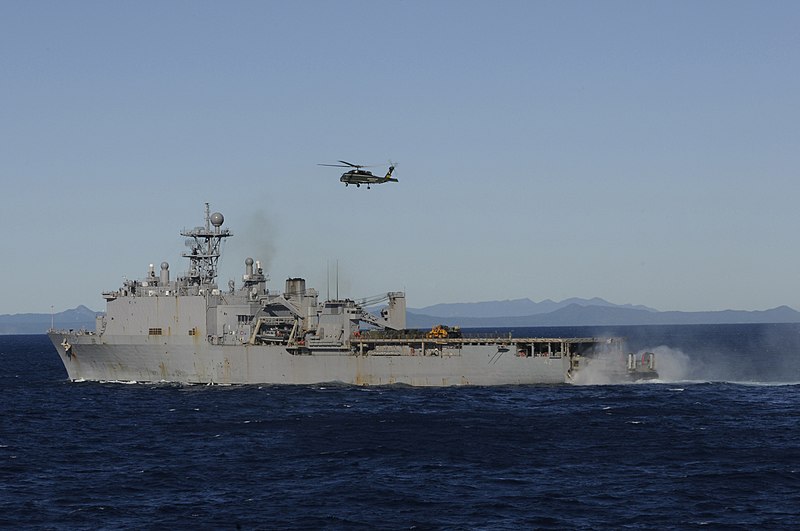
[195,361]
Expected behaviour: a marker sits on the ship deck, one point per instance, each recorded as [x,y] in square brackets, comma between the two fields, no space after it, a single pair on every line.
[485,340]
[554,347]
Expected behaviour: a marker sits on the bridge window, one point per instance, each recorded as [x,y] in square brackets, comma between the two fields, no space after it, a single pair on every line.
[155,332]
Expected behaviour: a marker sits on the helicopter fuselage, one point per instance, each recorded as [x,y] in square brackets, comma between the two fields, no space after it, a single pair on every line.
[360,177]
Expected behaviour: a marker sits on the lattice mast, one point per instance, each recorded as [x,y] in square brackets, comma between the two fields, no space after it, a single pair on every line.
[205,245]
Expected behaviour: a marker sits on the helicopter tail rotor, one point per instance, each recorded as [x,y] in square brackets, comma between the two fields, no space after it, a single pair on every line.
[392,167]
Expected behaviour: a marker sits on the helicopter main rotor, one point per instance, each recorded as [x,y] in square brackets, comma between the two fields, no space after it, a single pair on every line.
[345,164]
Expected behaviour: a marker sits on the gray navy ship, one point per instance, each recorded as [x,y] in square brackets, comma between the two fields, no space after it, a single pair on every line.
[188,330]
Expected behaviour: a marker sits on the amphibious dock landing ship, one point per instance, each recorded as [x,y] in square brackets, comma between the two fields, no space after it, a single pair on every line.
[188,330]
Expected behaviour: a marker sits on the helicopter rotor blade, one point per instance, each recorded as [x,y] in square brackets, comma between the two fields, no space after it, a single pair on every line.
[359,165]
[345,164]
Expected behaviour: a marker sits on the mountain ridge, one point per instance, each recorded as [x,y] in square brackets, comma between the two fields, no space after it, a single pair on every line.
[38,323]
[500,314]
[578,315]
[514,307]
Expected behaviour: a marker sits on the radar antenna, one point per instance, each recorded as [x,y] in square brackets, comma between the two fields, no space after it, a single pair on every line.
[205,244]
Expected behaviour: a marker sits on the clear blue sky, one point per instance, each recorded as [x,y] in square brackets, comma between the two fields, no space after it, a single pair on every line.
[643,152]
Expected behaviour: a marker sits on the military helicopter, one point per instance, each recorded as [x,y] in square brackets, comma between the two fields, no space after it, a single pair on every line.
[358,176]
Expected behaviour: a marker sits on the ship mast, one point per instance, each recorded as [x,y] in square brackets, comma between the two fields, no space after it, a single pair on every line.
[205,248]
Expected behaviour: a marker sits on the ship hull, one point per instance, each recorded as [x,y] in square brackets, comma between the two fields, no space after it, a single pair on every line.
[195,361]
[187,330]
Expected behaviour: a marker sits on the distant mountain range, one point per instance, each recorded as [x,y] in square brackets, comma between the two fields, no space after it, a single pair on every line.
[508,313]
[579,312]
[515,307]
[39,323]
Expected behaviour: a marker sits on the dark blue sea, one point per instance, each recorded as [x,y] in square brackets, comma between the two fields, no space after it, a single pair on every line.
[714,444]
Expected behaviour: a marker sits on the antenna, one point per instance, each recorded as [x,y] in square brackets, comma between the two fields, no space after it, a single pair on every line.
[328,280]
[206,243]
[337,279]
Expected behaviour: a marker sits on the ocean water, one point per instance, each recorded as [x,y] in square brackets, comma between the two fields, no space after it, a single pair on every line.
[715,445]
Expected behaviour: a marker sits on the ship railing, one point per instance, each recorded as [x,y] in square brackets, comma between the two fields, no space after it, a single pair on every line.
[70,331]
[481,338]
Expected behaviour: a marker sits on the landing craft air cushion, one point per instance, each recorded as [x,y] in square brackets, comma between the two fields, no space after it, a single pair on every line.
[188,330]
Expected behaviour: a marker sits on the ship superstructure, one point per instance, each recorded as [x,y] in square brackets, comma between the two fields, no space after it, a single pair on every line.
[189,330]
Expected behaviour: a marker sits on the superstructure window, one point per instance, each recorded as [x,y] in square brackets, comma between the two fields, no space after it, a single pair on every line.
[155,332]
[243,319]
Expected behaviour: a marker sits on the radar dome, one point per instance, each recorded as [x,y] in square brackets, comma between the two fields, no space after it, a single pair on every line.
[164,266]
[217,219]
